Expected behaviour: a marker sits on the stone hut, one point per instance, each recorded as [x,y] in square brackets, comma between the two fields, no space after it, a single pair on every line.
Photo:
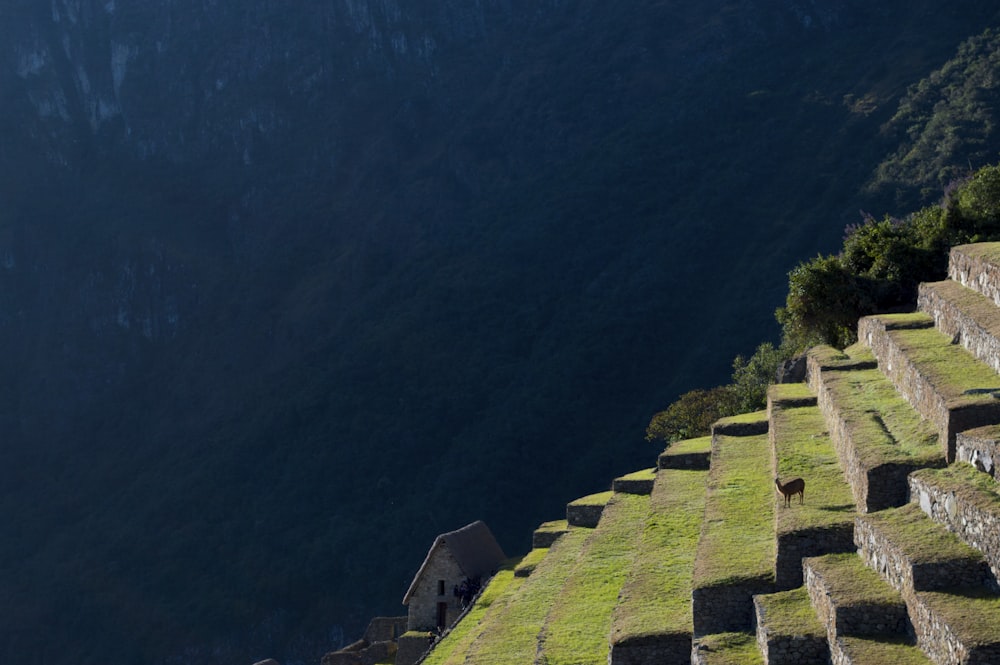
[455,558]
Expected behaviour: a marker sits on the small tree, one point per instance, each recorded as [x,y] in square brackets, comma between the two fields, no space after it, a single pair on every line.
[752,376]
[692,415]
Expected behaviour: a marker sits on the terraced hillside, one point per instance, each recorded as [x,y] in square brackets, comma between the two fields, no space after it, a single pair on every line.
[891,555]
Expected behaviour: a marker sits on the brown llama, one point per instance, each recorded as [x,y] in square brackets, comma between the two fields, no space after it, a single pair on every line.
[791,488]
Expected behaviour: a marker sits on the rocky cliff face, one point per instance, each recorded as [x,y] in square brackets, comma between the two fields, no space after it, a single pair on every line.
[274,277]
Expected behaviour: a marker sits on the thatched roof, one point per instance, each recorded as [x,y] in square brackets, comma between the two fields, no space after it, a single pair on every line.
[473,547]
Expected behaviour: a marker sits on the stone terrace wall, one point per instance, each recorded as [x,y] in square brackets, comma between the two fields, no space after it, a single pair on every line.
[920,393]
[981,448]
[727,608]
[378,652]
[688,461]
[584,514]
[975,273]
[797,545]
[880,487]
[975,526]
[861,619]
[663,649]
[941,641]
[896,568]
[952,321]
[412,648]
[385,629]
[790,649]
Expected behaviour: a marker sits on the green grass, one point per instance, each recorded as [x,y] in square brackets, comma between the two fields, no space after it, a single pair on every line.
[803,449]
[645,474]
[737,538]
[922,539]
[974,615]
[512,633]
[895,650]
[885,428]
[656,597]
[906,321]
[783,392]
[827,356]
[972,303]
[730,649]
[791,613]
[700,445]
[555,526]
[530,561]
[970,485]
[859,353]
[576,629]
[989,251]
[952,370]
[743,418]
[987,432]
[452,649]
[599,499]
[852,582]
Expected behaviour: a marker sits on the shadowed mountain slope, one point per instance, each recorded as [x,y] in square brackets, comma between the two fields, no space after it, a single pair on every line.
[286,292]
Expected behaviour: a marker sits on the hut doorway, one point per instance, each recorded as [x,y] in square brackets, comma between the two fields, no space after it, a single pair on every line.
[442,615]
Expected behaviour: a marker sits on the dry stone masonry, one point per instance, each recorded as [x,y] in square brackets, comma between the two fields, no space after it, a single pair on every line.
[908,419]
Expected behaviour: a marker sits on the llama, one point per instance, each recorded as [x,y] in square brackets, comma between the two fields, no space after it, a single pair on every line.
[791,488]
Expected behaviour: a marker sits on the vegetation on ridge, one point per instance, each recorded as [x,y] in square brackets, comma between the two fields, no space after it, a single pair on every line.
[878,269]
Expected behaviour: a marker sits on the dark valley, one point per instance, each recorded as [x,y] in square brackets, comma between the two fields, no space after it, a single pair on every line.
[286,291]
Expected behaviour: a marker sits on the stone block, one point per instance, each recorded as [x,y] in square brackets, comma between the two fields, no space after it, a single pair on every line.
[847,603]
[586,511]
[971,513]
[951,409]
[969,318]
[912,553]
[784,638]
[642,486]
[661,648]
[727,607]
[980,447]
[412,646]
[971,266]
[548,533]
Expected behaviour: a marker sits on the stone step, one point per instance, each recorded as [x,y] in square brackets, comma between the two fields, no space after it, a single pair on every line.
[745,424]
[878,436]
[691,454]
[731,648]
[957,627]
[548,533]
[977,267]
[578,621]
[639,482]
[941,380]
[526,566]
[586,511]
[790,395]
[851,599]
[968,317]
[913,553]
[652,621]
[966,502]
[851,650]
[735,556]
[980,447]
[800,447]
[788,632]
